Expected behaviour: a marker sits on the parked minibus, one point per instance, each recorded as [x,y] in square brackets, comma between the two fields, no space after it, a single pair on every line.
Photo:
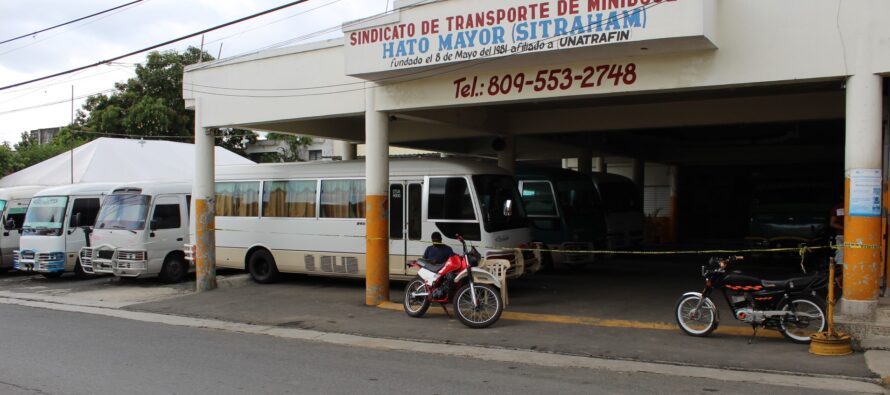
[13,205]
[140,231]
[565,212]
[310,217]
[623,209]
[55,228]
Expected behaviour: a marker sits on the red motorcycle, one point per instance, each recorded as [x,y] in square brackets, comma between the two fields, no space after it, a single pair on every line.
[477,297]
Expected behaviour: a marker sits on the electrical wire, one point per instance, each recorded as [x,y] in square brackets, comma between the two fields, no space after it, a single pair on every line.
[68,100]
[69,22]
[73,28]
[293,3]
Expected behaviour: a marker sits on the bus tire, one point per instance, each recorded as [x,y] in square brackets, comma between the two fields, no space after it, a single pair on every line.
[262,268]
[175,270]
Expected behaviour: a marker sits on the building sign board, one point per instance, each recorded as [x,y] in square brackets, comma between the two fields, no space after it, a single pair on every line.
[865,192]
[463,30]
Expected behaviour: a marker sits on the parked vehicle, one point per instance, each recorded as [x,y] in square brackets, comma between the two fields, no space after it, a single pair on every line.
[13,205]
[310,217]
[56,228]
[623,208]
[140,231]
[476,298]
[790,213]
[565,212]
[789,306]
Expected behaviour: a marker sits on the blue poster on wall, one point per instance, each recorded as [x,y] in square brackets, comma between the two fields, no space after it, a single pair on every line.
[865,192]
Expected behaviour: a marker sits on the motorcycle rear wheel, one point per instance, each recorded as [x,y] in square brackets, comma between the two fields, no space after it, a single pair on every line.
[416,306]
[814,321]
[700,323]
[487,313]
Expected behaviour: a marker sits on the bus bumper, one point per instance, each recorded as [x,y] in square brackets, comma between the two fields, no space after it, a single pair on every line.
[44,262]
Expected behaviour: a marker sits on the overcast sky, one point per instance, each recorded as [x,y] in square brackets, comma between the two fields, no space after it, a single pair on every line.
[134,27]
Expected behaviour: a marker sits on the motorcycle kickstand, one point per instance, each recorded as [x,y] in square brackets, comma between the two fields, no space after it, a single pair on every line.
[446,310]
[753,335]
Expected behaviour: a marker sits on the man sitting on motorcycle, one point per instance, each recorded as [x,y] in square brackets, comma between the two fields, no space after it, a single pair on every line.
[438,252]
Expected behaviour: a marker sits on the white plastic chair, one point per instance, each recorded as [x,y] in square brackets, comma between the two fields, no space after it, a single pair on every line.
[498,268]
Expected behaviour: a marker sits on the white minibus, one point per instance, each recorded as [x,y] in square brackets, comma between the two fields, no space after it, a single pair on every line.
[140,231]
[310,217]
[55,228]
[13,205]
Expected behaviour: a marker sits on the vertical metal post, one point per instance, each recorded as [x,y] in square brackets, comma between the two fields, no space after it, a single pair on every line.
[674,182]
[601,164]
[204,197]
[377,194]
[863,152]
[72,123]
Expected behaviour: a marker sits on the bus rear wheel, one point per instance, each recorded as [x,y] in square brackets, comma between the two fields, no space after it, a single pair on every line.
[262,268]
[175,270]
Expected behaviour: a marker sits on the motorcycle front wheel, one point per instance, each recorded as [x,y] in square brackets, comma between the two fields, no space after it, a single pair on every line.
[486,313]
[416,305]
[694,322]
[809,318]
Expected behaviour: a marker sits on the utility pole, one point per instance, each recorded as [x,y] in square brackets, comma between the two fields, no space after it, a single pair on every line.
[72,123]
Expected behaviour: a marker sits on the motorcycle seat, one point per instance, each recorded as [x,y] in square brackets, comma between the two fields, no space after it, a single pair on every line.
[791,283]
[429,265]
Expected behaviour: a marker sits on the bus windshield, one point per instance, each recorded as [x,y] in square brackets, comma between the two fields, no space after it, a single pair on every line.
[45,216]
[127,212]
[493,192]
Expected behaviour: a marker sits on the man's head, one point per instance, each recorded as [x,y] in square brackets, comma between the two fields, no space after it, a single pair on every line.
[437,237]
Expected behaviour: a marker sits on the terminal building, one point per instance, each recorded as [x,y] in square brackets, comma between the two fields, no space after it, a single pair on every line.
[729,103]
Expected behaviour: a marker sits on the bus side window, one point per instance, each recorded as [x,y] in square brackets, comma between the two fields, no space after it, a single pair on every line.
[166,216]
[396,211]
[415,201]
[88,208]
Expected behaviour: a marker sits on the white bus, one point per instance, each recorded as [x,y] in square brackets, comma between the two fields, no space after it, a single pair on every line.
[310,217]
[13,205]
[140,231]
[55,228]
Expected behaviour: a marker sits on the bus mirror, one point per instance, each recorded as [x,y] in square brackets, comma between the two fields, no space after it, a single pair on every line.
[508,208]
[153,224]
[10,224]
[77,218]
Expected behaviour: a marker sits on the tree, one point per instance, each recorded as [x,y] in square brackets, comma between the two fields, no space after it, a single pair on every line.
[292,152]
[151,104]
[28,152]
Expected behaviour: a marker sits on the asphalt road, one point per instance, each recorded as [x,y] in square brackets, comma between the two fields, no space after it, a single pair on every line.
[56,352]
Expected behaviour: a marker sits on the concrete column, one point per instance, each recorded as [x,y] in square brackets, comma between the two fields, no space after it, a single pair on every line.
[862,266]
[585,162]
[565,163]
[638,167]
[507,157]
[377,194]
[344,149]
[204,198]
[601,164]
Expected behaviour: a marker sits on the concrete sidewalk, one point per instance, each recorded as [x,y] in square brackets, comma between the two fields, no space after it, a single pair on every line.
[610,293]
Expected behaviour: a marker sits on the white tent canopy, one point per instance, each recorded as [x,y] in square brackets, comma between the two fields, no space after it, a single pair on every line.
[118,160]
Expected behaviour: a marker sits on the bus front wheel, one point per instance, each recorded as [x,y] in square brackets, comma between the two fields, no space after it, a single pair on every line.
[262,268]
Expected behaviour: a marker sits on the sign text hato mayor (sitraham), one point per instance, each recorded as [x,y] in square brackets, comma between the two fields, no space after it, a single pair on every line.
[542,26]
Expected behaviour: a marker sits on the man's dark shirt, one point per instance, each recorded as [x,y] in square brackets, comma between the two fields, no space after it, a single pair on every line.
[438,253]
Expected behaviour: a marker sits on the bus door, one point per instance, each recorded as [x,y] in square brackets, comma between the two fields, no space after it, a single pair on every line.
[405,245]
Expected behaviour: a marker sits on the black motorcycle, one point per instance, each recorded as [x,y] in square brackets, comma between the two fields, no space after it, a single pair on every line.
[790,306]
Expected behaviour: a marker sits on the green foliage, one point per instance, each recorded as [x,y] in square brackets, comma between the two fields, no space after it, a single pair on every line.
[294,143]
[151,104]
